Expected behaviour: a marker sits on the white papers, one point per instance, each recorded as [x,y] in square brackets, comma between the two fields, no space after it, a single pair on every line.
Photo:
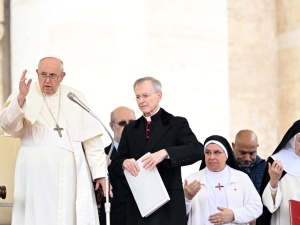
[148,189]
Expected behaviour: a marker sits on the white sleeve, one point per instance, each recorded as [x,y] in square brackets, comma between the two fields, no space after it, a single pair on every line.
[268,201]
[95,156]
[252,205]
[188,205]
[11,119]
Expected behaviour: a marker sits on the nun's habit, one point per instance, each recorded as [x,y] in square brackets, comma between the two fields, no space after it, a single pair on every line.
[230,188]
[277,212]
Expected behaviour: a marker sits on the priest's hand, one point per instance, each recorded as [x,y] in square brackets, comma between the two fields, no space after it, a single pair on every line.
[190,190]
[275,171]
[131,166]
[151,160]
[102,182]
[23,88]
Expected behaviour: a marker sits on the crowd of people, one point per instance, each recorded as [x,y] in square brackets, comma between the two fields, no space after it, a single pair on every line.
[62,160]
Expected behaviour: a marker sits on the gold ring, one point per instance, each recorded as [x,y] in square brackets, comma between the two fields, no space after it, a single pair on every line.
[219,220]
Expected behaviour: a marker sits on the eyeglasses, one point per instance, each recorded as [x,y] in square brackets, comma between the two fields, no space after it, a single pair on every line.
[215,153]
[123,123]
[144,96]
[52,76]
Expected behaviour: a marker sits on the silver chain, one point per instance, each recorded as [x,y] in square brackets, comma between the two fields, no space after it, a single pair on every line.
[56,121]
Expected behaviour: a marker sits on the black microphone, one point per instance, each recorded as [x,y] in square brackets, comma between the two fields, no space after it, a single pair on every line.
[75,99]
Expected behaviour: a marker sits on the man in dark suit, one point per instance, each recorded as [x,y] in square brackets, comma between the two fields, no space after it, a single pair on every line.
[119,117]
[245,151]
[172,144]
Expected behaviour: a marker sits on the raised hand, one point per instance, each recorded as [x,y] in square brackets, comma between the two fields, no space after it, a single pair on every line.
[190,190]
[275,171]
[23,88]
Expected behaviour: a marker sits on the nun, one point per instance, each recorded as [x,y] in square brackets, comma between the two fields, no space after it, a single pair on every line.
[221,192]
[281,180]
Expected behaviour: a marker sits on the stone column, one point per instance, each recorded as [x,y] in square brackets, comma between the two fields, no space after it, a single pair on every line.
[8,146]
[1,51]
[5,74]
[288,62]
[252,49]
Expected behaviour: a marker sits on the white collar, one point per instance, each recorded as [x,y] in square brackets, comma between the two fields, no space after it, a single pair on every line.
[148,118]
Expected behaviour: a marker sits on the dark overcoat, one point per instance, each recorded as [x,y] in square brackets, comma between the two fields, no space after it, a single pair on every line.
[175,136]
[118,204]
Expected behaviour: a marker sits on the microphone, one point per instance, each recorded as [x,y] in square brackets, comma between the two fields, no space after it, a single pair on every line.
[75,99]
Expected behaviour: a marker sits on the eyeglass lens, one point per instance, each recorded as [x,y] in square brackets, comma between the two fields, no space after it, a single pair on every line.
[123,123]
[51,76]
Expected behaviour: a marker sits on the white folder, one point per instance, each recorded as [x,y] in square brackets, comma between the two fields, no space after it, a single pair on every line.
[148,189]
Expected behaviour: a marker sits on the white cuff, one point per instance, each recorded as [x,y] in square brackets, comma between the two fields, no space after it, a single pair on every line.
[273,190]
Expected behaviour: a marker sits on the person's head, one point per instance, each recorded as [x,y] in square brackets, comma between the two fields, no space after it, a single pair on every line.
[50,74]
[148,95]
[218,154]
[216,150]
[245,148]
[120,117]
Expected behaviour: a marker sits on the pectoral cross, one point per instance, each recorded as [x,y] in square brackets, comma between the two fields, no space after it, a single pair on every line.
[58,129]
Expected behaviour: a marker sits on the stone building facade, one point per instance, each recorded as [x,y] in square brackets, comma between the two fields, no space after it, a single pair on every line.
[263,69]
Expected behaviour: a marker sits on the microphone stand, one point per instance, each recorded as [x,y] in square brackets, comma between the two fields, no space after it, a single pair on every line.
[71,96]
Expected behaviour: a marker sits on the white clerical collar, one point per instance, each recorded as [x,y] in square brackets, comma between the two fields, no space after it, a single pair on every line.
[148,118]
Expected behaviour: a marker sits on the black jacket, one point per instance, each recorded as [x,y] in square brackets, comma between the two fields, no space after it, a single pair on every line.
[170,133]
[118,204]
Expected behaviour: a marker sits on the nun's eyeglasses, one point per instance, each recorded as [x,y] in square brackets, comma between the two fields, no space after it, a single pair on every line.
[215,153]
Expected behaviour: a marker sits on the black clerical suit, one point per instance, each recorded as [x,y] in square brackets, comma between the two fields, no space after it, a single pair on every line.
[119,200]
[174,135]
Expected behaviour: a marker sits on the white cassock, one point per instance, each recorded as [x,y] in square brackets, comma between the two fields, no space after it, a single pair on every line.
[288,187]
[53,175]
